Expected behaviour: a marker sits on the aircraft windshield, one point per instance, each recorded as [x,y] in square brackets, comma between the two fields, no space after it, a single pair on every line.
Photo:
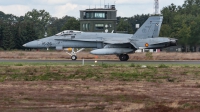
[67,32]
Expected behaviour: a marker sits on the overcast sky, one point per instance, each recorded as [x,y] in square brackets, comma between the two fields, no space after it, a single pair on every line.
[60,8]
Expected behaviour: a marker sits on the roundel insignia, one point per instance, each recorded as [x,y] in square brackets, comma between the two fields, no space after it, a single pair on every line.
[146,45]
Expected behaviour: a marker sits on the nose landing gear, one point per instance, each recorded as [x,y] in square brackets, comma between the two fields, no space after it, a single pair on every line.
[73,53]
[73,57]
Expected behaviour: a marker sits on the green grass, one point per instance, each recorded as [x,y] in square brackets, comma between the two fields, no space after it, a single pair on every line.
[132,65]
[163,66]
[103,64]
[18,64]
[2,78]
[63,71]
[86,73]
[137,75]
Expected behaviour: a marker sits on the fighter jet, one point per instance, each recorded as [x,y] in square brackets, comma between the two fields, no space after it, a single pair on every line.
[146,37]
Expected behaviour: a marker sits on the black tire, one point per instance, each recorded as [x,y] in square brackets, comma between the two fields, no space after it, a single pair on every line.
[123,57]
[73,57]
[127,57]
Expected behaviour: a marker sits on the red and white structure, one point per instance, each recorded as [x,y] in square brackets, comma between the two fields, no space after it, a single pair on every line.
[156,6]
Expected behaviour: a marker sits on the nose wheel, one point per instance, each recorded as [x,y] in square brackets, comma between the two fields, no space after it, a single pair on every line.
[73,57]
[123,57]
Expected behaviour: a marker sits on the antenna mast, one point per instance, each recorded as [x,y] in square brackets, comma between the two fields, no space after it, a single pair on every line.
[100,3]
[156,6]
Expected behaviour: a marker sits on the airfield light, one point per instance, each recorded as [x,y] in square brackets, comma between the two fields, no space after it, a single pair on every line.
[83,62]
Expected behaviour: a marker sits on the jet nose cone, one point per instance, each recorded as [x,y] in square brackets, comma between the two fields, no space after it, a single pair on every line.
[32,44]
[24,45]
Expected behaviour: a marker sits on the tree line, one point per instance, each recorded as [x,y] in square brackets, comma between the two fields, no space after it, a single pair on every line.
[181,22]
[16,31]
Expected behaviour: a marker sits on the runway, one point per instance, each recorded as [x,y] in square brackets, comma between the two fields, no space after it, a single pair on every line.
[175,62]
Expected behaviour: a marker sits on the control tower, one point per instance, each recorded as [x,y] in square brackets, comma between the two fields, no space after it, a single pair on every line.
[98,19]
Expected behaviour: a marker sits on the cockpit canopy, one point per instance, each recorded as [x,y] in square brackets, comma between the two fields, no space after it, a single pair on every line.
[68,32]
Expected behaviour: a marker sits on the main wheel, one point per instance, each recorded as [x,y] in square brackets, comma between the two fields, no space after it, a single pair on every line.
[127,57]
[73,57]
[123,57]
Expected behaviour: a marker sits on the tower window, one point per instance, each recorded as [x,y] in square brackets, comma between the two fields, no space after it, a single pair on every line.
[99,26]
[83,26]
[94,15]
[100,15]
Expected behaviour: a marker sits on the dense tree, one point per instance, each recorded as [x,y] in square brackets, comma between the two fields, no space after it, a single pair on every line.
[72,24]
[124,25]
[9,18]
[24,32]
[40,19]
[128,24]
[55,26]
[166,30]
[182,22]
[15,31]
[137,19]
[7,38]
[195,31]
[1,32]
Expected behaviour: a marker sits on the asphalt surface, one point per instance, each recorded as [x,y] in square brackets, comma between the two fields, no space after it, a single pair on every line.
[189,62]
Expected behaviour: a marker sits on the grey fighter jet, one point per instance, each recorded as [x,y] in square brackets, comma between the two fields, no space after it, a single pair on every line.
[146,37]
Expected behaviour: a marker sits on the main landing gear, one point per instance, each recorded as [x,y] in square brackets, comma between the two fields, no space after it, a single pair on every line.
[123,57]
[73,53]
